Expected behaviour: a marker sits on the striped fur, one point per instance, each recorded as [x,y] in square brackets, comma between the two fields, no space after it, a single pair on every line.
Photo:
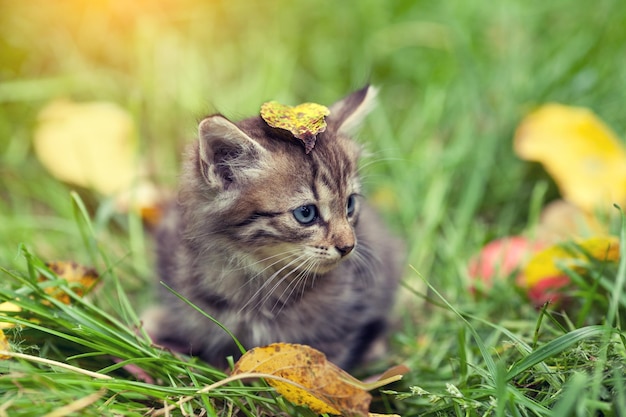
[232,245]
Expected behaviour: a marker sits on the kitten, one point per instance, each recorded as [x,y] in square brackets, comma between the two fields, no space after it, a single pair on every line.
[275,244]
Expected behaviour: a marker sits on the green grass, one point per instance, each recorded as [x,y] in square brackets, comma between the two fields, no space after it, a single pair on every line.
[456,78]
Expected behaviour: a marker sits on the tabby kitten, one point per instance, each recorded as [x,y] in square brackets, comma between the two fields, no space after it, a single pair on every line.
[275,244]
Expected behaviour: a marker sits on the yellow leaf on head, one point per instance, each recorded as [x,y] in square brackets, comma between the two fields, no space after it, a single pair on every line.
[583,156]
[304,121]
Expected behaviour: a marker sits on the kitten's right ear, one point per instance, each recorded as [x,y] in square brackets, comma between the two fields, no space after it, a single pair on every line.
[347,114]
[227,154]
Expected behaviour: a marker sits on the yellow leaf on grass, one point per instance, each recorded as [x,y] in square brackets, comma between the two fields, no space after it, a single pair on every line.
[549,262]
[4,345]
[80,279]
[9,307]
[88,144]
[304,121]
[583,156]
[317,383]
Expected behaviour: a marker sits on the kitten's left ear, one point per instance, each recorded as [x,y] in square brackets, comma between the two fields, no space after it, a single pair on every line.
[227,155]
[348,113]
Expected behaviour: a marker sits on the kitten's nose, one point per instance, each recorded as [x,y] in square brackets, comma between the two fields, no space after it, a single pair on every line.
[344,250]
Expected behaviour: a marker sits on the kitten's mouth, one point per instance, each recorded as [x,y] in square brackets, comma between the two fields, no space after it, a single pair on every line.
[297,264]
[318,267]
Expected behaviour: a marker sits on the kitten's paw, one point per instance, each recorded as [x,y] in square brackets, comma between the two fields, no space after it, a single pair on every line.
[155,322]
[152,320]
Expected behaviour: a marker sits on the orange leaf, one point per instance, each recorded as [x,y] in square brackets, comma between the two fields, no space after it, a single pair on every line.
[304,121]
[583,156]
[317,383]
[81,279]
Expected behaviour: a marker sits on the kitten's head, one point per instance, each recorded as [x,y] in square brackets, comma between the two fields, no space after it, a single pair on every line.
[259,197]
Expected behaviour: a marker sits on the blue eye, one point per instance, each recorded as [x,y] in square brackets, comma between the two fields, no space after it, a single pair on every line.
[351,205]
[306,214]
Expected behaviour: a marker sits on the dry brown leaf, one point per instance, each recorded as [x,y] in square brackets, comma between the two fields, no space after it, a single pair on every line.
[317,383]
[583,156]
[88,144]
[81,279]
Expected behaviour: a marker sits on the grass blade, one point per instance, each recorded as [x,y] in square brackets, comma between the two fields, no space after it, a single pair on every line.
[554,347]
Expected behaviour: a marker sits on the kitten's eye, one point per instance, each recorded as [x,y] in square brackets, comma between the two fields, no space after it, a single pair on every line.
[306,214]
[350,207]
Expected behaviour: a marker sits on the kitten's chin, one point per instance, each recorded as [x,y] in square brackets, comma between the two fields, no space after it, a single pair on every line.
[327,266]
[322,270]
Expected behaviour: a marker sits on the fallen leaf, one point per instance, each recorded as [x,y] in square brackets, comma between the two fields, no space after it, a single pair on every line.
[143,199]
[315,382]
[392,375]
[80,279]
[304,121]
[583,156]
[4,345]
[561,221]
[544,276]
[10,307]
[88,144]
[499,259]
[548,290]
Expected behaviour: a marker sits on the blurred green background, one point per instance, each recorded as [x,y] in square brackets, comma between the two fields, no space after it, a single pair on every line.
[455,78]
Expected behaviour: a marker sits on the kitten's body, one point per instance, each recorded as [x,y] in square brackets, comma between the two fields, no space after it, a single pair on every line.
[233,245]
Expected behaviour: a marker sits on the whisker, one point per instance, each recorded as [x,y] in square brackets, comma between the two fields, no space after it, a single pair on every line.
[267,282]
[365,163]
[243,264]
[262,260]
[283,278]
[299,281]
[367,260]
[285,255]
